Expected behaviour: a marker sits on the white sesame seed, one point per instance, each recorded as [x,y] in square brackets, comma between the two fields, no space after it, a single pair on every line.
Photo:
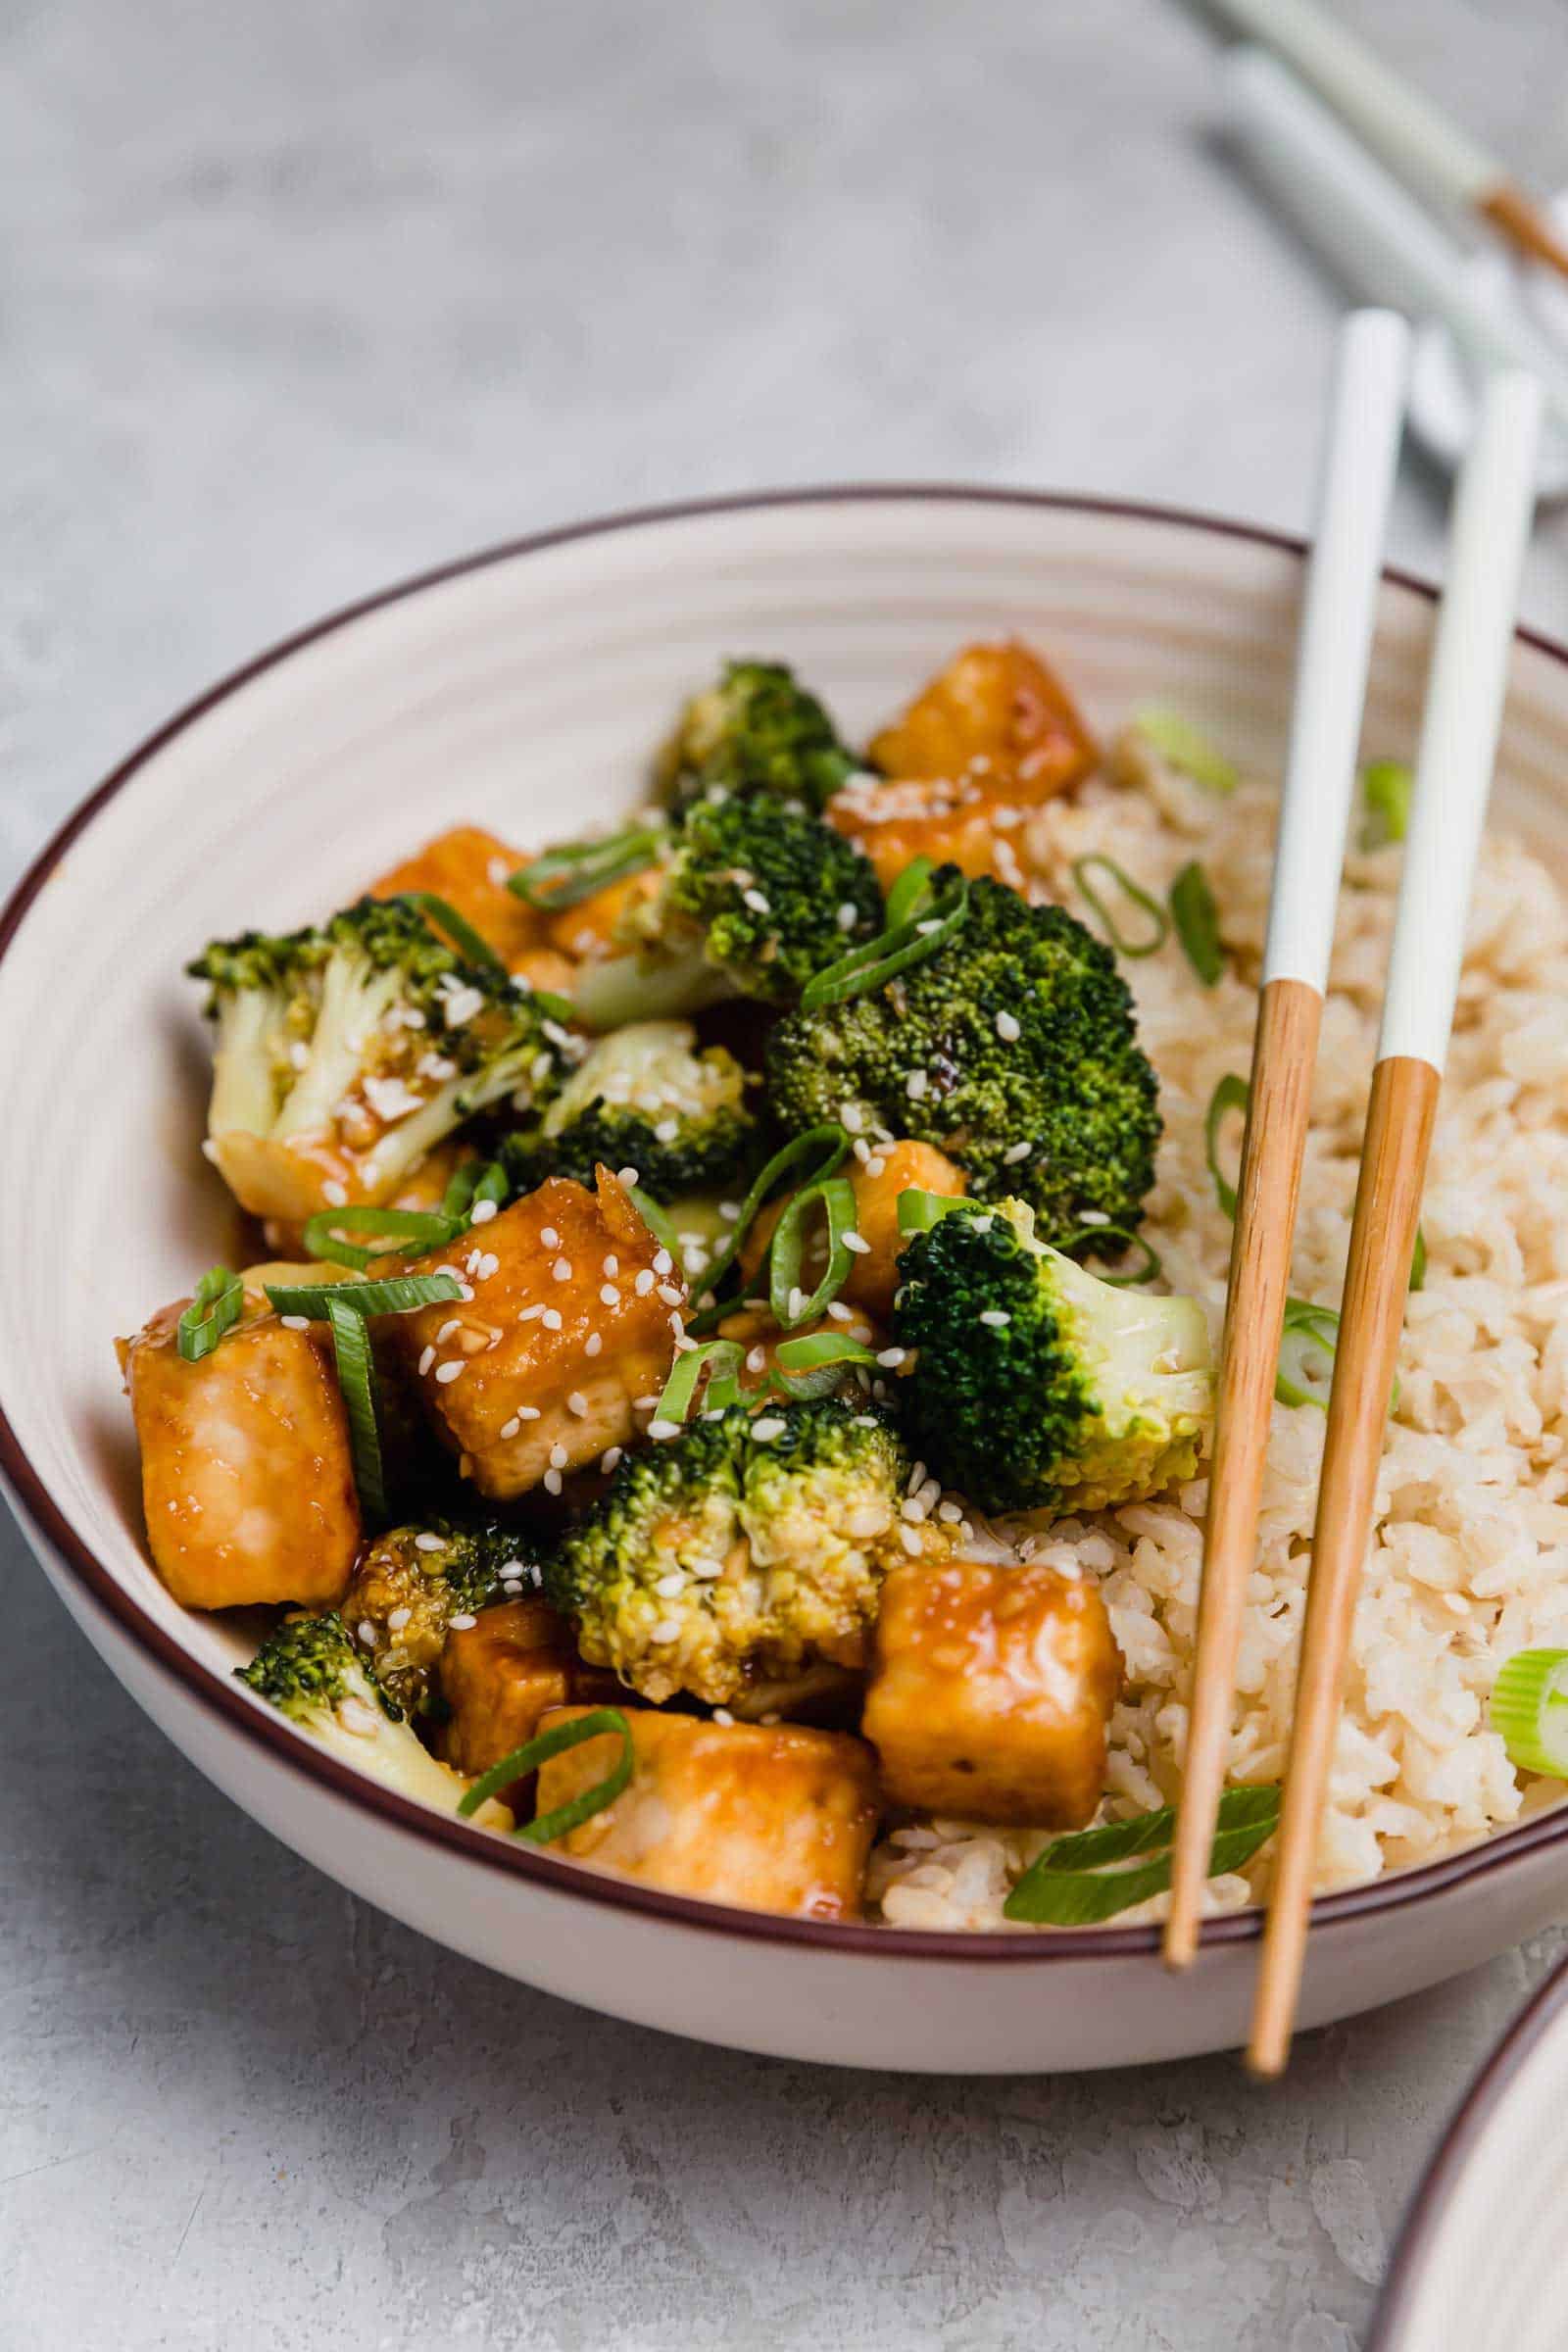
[530,1314]
[849,914]
[481,1212]
[855,1241]
[912,1509]
[425,1361]
[933,922]
[994,1316]
[447,1329]
[612,1265]
[796,1303]
[911,1541]
[663,1263]
[890,1358]
[561,1270]
[558,1456]
[661,1430]
[723,1714]
[577,1403]
[644,1283]
[460,1622]
[550,1318]
[766,1428]
[608,1296]
[448,1372]
[1013,1154]
[551,1482]
[645,1405]
[527,1412]
[398,1619]
[626,1176]
[757,901]
[1007,1028]
[866,1421]
[336,1195]
[670,1295]
[295,1322]
[915,1084]
[670,1588]
[425,1542]
[609,1458]
[510,1429]
[875,1165]
[729,1210]
[472,1262]
[549,1237]
[593,1343]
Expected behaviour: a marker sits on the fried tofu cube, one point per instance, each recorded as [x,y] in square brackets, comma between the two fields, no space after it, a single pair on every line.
[954,822]
[498,1676]
[900,1167]
[592,929]
[247,1478]
[774,1817]
[989,1692]
[468,868]
[994,711]
[574,1314]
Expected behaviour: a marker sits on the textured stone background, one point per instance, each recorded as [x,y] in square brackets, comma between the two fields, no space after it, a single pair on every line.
[298,298]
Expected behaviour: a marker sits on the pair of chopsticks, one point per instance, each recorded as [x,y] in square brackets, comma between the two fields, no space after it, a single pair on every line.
[1422,145]
[1466,684]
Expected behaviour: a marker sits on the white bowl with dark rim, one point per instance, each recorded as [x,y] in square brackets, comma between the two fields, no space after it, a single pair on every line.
[1479,2266]
[522,689]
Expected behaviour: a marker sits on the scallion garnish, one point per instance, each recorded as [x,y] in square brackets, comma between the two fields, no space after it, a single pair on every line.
[442,915]
[1232,1094]
[902,944]
[397,1295]
[1119,940]
[356,1377]
[814,1362]
[412,1229]
[834,1198]
[1309,1332]
[1387,788]
[1185,747]
[658,1221]
[1418,1261]
[565,877]
[216,1307]
[598,1723]
[1196,919]
[473,1182]
[828,1145]
[919,1211]
[1078,1879]
[909,892]
[1529,1710]
[1091,1239]
[721,1361]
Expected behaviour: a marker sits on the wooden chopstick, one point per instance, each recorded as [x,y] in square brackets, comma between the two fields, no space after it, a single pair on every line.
[1493,510]
[1337,622]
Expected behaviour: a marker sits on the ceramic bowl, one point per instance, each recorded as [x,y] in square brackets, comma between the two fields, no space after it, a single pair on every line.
[522,689]
[1478,2267]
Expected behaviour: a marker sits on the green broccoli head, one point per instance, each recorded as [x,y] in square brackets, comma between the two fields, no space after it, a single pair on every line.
[644,1098]
[408,1588]
[1035,1385]
[778,1532]
[354,1048]
[310,1669]
[756,728]
[755,898]
[1013,1048]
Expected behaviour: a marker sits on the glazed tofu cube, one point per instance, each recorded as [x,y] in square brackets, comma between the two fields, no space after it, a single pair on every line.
[777,1818]
[468,869]
[498,1676]
[954,822]
[995,713]
[989,1692]
[574,1314]
[247,1480]
[590,930]
[898,1168]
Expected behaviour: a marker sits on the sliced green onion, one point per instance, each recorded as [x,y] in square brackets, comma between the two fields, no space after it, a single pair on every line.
[556,1008]
[473,1182]
[721,1361]
[832,1143]
[398,1295]
[1387,789]
[565,877]
[909,892]
[442,915]
[1092,1240]
[413,1229]
[356,1377]
[918,1211]
[1196,919]
[656,1220]
[834,1196]
[596,1724]
[880,959]
[1231,1094]
[1309,1332]
[1418,1261]
[218,1304]
[1123,945]
[1078,1879]
[1529,1710]
[1187,748]
[814,1362]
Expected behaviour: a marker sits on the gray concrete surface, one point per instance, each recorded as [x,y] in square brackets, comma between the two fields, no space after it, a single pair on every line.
[299,297]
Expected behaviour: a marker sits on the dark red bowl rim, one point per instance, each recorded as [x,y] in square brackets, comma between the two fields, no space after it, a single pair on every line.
[262,1729]
[1439,2182]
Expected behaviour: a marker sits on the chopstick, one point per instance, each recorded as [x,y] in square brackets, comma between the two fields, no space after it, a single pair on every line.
[1337,622]
[1492,511]
[1425,146]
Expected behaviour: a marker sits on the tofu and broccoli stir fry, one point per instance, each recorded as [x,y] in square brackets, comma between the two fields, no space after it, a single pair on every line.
[697,1276]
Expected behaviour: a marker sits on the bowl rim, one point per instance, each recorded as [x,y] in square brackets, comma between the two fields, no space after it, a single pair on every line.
[236,1709]
[1443,2174]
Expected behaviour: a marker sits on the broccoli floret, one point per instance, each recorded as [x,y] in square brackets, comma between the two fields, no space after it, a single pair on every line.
[646,1099]
[1035,1385]
[424,1577]
[309,1670]
[754,898]
[349,1052]
[780,1531]
[757,726]
[1012,1049]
